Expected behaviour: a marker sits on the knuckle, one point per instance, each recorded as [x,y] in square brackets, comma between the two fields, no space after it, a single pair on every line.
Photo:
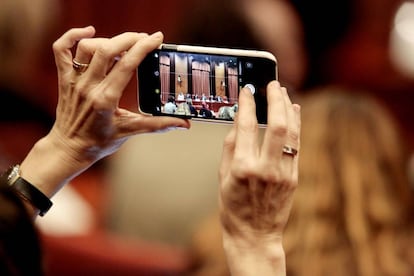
[278,178]
[243,168]
[105,50]
[104,99]
[229,141]
[133,35]
[142,36]
[293,135]
[249,124]
[127,63]
[280,129]
[271,176]
[98,102]
[248,127]
[57,46]
[81,90]
[83,45]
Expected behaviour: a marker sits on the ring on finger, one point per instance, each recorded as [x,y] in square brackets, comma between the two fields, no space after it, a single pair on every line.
[79,67]
[289,150]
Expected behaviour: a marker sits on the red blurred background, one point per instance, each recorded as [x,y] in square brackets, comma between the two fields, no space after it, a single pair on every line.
[360,60]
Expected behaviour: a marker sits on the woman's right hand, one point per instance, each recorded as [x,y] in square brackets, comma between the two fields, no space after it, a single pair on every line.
[257,184]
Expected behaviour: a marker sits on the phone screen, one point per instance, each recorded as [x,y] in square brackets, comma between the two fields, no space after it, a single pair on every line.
[201,85]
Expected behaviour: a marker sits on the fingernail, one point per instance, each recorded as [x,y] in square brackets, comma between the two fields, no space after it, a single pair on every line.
[157,35]
[296,107]
[177,128]
[173,128]
[275,83]
[90,28]
[251,88]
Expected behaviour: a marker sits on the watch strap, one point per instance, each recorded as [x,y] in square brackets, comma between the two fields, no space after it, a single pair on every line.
[27,191]
[33,195]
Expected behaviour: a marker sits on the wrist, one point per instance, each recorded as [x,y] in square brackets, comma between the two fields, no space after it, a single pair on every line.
[254,255]
[50,164]
[269,246]
[32,197]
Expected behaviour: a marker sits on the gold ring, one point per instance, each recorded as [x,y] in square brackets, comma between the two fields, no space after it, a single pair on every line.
[289,150]
[79,67]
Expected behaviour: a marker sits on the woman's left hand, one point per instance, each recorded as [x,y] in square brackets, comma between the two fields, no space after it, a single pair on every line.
[89,122]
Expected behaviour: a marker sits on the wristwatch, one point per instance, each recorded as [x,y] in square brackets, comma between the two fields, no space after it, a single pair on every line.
[27,191]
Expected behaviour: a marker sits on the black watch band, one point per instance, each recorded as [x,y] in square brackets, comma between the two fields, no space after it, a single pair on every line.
[28,192]
[33,195]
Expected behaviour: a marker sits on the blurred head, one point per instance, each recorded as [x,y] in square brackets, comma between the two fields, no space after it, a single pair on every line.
[270,25]
[354,199]
[278,28]
[171,99]
[23,26]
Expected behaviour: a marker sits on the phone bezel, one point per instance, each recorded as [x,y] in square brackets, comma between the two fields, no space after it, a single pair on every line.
[216,51]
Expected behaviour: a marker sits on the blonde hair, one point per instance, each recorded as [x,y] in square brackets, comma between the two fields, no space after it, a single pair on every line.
[352,210]
[353,203]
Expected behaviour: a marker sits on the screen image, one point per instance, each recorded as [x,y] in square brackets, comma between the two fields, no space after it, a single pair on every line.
[198,85]
[202,85]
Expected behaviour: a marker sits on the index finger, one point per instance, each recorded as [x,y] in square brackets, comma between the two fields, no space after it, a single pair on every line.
[106,52]
[86,48]
[247,127]
[62,47]
[122,71]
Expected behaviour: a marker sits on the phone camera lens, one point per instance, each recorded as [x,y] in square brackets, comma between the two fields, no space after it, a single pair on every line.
[249,65]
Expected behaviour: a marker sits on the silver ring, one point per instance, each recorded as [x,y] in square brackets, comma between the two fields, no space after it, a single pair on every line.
[289,150]
[79,67]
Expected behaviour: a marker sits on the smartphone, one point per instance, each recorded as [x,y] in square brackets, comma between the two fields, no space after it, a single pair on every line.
[203,83]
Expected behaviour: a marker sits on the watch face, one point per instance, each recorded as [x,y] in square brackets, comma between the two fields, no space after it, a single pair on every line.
[12,174]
